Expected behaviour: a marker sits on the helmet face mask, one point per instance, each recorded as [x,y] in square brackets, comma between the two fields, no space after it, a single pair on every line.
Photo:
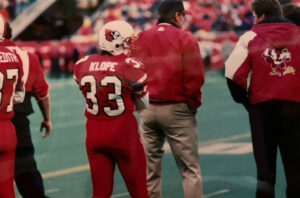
[127,44]
[116,37]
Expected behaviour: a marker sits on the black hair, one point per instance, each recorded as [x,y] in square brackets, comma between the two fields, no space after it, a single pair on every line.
[269,8]
[8,31]
[168,9]
[292,12]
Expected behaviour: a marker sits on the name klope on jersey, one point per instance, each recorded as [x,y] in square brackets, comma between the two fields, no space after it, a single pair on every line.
[6,57]
[103,66]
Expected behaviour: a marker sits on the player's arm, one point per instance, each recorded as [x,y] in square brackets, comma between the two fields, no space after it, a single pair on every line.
[237,69]
[44,105]
[76,68]
[141,98]
[193,73]
[136,76]
[41,93]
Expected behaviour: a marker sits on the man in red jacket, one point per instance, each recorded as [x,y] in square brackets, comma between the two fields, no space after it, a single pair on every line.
[270,51]
[27,177]
[175,78]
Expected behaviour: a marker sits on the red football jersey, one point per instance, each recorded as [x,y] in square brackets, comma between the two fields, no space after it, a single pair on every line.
[36,81]
[109,84]
[34,77]
[11,74]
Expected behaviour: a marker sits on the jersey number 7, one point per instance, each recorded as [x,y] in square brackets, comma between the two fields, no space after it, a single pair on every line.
[11,73]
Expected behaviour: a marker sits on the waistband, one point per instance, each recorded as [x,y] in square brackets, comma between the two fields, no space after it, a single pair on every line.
[163,102]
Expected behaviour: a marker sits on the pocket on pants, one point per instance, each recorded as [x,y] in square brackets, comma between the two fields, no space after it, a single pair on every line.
[182,109]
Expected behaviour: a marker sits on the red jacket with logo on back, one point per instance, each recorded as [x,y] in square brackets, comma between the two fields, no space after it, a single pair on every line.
[270,51]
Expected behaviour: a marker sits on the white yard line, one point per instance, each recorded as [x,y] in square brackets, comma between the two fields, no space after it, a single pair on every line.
[52,190]
[66,171]
[125,194]
[216,193]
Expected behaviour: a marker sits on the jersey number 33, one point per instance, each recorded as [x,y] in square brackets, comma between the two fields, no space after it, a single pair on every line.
[113,96]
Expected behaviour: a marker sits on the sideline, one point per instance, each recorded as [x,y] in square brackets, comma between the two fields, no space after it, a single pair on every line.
[205,196]
[86,167]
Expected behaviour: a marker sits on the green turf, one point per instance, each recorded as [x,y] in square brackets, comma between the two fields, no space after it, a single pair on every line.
[232,176]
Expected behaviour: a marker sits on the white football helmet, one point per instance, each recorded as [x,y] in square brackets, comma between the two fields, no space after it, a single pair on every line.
[116,37]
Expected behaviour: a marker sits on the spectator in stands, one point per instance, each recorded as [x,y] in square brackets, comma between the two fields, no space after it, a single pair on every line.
[4,9]
[292,12]
[68,56]
[12,9]
[86,29]
[54,53]
[21,5]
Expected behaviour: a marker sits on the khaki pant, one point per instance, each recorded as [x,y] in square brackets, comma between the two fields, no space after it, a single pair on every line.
[178,124]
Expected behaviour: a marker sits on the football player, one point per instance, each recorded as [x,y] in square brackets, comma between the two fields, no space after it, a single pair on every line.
[113,85]
[37,86]
[11,91]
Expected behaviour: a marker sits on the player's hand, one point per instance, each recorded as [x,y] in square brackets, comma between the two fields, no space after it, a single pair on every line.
[48,126]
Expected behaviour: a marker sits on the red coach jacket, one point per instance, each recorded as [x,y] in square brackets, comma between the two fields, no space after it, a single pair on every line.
[174,66]
[271,52]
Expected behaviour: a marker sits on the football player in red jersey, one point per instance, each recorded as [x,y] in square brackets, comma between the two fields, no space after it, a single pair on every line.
[113,85]
[37,86]
[11,91]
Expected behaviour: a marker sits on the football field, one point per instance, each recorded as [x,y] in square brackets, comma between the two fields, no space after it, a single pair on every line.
[225,150]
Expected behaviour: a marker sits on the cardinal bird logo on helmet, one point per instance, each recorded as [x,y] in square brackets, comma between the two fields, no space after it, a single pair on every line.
[111,35]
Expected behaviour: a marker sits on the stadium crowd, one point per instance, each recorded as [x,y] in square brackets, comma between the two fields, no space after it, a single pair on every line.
[9,9]
[216,24]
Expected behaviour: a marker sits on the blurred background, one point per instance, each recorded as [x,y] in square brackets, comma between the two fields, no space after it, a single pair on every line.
[62,31]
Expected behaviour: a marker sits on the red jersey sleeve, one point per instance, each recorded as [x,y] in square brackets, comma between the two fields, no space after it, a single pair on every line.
[76,68]
[193,72]
[136,76]
[37,81]
[20,81]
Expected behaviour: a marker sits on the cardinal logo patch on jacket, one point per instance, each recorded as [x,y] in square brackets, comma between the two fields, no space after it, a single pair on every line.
[279,58]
